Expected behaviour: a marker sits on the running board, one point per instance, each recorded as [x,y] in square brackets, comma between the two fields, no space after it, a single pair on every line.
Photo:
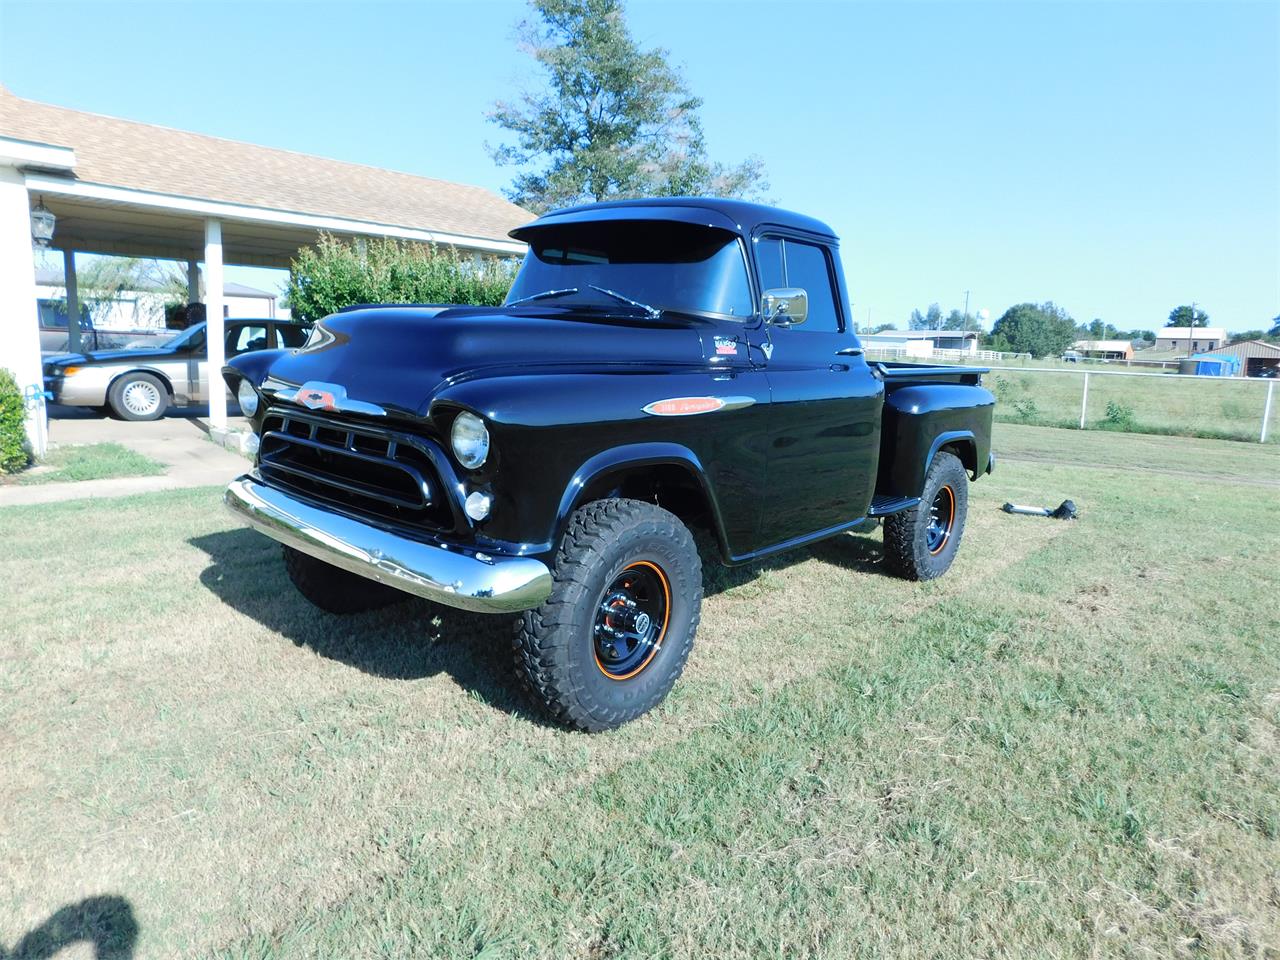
[882,506]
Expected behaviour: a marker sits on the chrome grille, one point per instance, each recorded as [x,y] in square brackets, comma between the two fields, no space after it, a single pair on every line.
[371,471]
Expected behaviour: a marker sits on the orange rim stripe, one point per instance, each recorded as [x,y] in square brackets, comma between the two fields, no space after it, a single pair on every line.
[951,519]
[666,619]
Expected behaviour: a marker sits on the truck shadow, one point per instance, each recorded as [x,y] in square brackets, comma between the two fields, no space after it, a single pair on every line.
[415,639]
[106,922]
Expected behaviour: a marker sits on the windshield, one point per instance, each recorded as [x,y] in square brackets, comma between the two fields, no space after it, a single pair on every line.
[192,337]
[662,264]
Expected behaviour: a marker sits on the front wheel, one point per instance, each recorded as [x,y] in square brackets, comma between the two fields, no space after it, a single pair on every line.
[138,396]
[921,543]
[612,639]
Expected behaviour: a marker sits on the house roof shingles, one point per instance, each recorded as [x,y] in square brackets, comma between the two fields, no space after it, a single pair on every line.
[140,156]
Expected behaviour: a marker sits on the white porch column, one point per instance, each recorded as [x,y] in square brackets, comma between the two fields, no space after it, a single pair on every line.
[215,332]
[73,300]
[193,281]
[19,331]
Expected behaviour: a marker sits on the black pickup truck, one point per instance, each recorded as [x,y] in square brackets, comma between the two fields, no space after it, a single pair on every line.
[659,366]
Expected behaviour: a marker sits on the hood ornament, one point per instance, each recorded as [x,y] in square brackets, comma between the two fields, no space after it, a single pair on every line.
[328,397]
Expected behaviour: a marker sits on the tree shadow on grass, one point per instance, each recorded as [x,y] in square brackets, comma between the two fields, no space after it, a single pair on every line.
[106,922]
[416,639]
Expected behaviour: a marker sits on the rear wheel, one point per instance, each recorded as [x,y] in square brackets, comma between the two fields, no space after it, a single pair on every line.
[612,639]
[138,396]
[335,590]
[921,543]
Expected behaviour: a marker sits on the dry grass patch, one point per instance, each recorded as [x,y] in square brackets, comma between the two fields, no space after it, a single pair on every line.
[1044,753]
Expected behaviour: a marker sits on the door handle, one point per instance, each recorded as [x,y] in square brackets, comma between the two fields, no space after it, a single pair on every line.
[849,352]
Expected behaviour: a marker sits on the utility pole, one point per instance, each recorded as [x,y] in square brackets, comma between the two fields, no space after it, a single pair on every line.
[966,308]
[1191,328]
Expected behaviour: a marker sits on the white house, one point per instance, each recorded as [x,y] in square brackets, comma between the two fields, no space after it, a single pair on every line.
[921,342]
[116,186]
[1190,340]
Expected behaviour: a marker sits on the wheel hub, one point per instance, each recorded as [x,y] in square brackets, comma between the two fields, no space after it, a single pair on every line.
[942,515]
[631,620]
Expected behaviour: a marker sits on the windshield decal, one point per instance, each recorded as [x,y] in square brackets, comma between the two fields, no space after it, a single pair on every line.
[726,347]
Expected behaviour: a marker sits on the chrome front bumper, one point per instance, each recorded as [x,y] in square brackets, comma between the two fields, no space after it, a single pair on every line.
[470,581]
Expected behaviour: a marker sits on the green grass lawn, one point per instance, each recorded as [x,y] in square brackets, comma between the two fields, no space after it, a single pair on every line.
[91,461]
[1067,747]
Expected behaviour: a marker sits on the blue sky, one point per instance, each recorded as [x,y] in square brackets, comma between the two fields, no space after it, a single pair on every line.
[1118,158]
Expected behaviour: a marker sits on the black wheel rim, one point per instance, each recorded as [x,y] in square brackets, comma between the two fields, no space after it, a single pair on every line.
[631,620]
[942,516]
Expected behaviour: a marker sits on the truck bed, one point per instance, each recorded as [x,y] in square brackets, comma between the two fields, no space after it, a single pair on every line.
[895,373]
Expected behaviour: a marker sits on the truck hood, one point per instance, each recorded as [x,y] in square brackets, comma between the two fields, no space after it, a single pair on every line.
[400,357]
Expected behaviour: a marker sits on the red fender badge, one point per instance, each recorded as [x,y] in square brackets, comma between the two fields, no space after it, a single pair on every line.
[688,406]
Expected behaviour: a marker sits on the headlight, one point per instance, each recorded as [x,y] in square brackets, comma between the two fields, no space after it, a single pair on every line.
[248,398]
[470,439]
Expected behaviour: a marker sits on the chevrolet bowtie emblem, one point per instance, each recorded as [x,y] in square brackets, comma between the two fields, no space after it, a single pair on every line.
[318,399]
[316,395]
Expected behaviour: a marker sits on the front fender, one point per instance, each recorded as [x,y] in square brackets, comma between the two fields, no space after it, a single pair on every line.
[595,475]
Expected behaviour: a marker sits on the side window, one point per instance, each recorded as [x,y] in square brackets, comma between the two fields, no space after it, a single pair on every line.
[806,267]
[245,338]
[769,258]
[290,336]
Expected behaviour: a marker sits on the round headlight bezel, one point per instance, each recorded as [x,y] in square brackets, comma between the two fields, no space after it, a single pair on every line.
[247,397]
[469,438]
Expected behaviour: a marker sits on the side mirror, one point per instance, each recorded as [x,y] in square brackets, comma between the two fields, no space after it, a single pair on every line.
[785,306]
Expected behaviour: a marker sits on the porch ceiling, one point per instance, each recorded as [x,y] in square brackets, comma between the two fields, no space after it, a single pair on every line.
[102,226]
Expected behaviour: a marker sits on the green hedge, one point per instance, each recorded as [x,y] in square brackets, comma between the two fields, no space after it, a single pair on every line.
[335,274]
[14,454]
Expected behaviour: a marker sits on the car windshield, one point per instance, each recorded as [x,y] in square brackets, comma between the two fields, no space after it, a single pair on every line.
[661,264]
[191,337]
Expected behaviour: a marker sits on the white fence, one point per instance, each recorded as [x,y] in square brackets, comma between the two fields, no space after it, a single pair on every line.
[1265,389]
[993,356]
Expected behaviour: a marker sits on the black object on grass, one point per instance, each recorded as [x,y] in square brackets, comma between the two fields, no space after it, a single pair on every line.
[1065,510]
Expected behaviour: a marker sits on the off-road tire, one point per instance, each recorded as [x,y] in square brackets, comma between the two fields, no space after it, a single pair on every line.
[126,409]
[555,646]
[335,590]
[906,535]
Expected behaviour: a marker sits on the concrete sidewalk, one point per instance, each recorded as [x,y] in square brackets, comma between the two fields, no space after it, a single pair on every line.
[180,441]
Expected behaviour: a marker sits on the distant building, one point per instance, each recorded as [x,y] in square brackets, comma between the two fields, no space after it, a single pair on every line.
[1256,356]
[1190,339]
[921,341]
[1104,349]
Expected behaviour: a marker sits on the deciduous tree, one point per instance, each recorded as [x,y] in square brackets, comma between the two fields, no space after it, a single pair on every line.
[612,119]
[1187,316]
[1042,329]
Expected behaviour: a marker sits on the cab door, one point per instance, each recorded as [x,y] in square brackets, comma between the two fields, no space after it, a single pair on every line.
[825,411]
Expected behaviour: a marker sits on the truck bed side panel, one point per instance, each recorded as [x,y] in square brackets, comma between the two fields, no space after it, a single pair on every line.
[919,419]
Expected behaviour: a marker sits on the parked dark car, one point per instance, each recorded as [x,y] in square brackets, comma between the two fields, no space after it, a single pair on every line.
[658,367]
[141,383]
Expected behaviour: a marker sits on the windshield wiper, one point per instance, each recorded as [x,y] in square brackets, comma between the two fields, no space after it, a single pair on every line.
[653,312]
[545,294]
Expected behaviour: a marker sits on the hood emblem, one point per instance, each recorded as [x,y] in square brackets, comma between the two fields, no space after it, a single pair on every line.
[330,397]
[317,399]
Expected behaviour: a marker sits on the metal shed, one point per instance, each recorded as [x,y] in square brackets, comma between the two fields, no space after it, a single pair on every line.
[1257,357]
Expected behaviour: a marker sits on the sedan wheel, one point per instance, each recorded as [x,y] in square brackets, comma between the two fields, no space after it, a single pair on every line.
[138,396]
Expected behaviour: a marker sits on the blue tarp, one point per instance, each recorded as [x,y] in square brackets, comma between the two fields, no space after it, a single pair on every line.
[1216,364]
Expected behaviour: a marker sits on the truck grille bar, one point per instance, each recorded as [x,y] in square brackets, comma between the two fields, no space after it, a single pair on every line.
[370,471]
